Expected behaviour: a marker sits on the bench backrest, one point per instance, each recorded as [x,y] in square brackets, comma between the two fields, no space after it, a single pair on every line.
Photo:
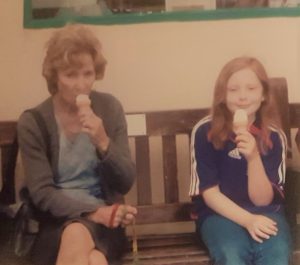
[8,159]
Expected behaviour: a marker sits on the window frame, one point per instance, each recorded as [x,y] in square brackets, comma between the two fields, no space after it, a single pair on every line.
[179,16]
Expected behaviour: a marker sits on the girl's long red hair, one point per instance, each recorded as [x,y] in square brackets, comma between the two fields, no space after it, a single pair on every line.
[221,127]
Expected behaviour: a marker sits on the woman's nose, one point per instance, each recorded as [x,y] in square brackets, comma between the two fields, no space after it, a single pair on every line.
[81,84]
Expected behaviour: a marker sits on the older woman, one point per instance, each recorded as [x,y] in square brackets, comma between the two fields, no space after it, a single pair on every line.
[90,160]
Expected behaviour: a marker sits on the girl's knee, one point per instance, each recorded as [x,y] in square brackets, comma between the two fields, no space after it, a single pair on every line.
[229,255]
[278,250]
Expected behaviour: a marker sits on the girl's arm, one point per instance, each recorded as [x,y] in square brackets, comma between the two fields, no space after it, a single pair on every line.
[258,226]
[260,189]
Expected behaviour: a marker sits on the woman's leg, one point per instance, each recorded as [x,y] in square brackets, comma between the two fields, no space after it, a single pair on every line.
[277,249]
[227,242]
[76,246]
[97,258]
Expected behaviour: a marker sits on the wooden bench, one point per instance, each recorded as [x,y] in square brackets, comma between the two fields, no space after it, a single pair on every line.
[160,147]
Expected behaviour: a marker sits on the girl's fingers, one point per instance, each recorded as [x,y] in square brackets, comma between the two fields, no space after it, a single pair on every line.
[255,237]
[261,234]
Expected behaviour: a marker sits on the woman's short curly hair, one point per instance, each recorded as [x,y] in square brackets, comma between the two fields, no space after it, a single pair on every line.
[63,48]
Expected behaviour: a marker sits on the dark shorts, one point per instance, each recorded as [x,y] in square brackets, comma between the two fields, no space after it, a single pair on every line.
[111,242]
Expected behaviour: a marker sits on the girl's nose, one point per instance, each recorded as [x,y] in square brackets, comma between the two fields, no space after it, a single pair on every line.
[243,94]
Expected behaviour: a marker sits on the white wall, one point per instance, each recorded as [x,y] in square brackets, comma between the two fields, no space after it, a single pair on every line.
[152,66]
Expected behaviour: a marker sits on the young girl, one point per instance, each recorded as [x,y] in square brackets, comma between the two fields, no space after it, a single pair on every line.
[238,175]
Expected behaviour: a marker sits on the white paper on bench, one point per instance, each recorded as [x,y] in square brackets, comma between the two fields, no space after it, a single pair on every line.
[136,124]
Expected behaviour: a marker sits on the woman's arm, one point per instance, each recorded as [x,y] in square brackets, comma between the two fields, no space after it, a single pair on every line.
[116,162]
[259,227]
[39,173]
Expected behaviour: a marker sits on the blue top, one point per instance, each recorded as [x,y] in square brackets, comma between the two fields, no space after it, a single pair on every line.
[228,169]
[77,169]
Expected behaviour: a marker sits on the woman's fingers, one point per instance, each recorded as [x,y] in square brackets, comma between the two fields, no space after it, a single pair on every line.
[125,215]
[128,219]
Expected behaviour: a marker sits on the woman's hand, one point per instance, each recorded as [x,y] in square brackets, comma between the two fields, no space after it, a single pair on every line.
[93,126]
[261,227]
[114,215]
[246,144]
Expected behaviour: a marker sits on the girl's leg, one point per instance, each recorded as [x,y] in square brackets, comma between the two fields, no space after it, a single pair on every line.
[227,242]
[76,246]
[277,249]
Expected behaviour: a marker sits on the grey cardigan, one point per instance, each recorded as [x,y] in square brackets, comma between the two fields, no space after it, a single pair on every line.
[117,168]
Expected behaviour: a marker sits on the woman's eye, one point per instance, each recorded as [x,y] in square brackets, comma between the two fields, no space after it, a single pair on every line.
[89,73]
[70,74]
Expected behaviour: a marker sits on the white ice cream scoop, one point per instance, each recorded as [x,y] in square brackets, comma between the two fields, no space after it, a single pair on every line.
[240,120]
[83,103]
[83,100]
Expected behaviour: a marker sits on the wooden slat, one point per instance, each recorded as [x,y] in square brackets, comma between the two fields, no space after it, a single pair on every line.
[7,132]
[7,136]
[177,260]
[167,240]
[170,249]
[292,195]
[279,86]
[294,110]
[8,160]
[170,169]
[296,257]
[164,213]
[144,195]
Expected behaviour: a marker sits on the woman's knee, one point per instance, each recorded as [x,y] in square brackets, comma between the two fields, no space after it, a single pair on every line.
[77,232]
[75,246]
[97,258]
[76,240]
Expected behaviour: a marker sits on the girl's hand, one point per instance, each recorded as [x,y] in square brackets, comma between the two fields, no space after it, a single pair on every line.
[93,126]
[246,144]
[261,227]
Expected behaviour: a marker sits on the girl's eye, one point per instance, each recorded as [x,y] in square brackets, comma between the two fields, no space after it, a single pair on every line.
[232,89]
